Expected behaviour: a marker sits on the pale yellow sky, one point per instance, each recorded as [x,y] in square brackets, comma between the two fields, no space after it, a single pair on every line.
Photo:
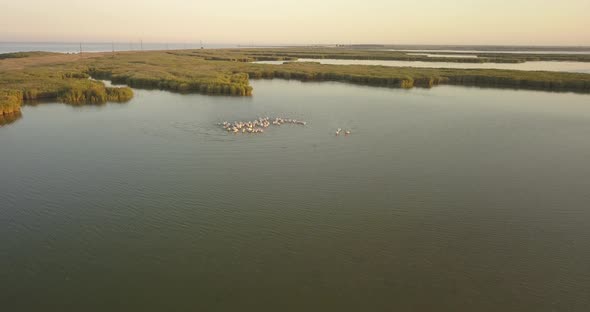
[516,22]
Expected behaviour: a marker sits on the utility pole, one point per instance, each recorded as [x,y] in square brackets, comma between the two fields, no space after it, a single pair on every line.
[80,48]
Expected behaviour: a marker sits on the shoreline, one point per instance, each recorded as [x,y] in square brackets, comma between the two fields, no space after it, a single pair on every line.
[64,77]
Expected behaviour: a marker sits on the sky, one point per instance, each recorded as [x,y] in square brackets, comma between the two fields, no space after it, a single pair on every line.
[478,22]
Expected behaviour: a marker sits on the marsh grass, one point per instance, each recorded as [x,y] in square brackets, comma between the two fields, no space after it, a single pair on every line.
[24,54]
[407,77]
[56,82]
[10,101]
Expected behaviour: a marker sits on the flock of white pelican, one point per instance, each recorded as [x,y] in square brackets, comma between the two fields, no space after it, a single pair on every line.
[258,125]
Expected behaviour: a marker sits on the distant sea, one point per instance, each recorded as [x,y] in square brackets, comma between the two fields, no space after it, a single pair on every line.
[72,47]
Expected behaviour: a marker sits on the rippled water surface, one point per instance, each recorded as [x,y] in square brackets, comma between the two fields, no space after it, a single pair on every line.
[449,199]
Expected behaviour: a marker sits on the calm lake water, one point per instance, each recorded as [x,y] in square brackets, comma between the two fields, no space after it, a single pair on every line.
[573,67]
[449,199]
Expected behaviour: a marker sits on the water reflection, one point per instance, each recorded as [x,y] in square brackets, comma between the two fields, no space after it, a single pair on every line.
[53,102]
[8,119]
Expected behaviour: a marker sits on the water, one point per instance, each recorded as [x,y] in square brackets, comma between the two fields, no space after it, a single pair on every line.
[572,67]
[445,55]
[449,199]
[522,51]
[74,47]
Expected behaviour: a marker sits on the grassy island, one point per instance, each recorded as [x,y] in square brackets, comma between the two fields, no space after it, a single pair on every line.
[66,77]
[64,82]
